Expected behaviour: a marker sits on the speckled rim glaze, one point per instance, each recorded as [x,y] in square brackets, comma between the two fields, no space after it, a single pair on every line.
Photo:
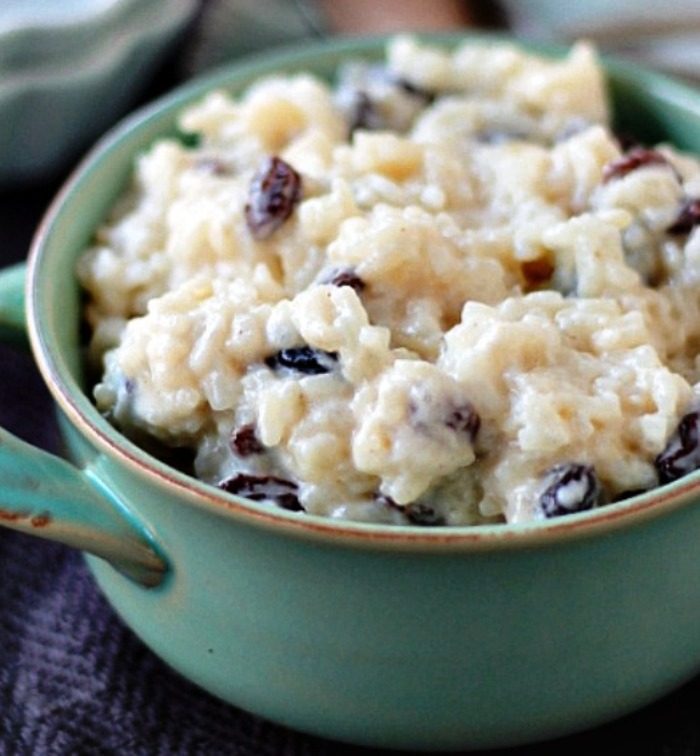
[85,417]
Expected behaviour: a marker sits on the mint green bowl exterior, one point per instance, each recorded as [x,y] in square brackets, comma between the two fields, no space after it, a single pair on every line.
[388,636]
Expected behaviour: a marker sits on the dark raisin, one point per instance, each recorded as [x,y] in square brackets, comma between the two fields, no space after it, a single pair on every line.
[464,419]
[274,192]
[364,114]
[682,453]
[244,441]
[347,278]
[687,219]
[264,488]
[417,513]
[304,360]
[415,91]
[290,502]
[627,141]
[571,488]
[428,415]
[537,272]
[386,501]
[637,157]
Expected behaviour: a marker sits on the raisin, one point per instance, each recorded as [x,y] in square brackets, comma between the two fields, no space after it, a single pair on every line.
[627,141]
[572,488]
[464,419]
[682,453]
[422,514]
[304,360]
[537,272]
[386,501]
[348,278]
[637,157]
[417,513]
[428,416]
[414,90]
[244,441]
[289,501]
[687,219]
[264,488]
[364,114]
[274,192]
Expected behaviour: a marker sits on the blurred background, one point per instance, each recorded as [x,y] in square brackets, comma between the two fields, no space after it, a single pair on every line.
[73,680]
[70,68]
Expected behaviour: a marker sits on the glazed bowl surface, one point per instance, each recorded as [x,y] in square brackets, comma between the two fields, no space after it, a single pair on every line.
[69,69]
[395,636]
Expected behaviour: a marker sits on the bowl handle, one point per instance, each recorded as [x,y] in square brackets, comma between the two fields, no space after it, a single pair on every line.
[12,320]
[46,496]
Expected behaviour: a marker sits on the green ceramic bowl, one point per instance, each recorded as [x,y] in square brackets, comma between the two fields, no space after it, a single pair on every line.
[390,636]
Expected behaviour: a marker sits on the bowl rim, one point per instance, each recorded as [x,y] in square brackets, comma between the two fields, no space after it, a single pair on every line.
[84,416]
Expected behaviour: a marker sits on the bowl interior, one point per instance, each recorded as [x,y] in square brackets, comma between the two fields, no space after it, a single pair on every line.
[645,104]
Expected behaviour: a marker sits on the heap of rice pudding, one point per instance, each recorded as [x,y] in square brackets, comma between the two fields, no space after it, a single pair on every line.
[441,292]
